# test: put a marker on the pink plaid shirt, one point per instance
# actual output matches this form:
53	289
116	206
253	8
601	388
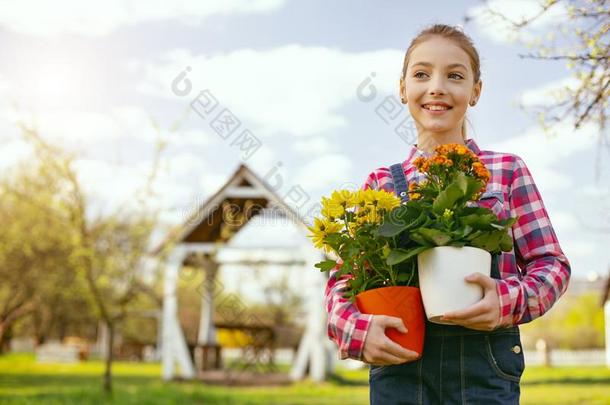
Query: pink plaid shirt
534	274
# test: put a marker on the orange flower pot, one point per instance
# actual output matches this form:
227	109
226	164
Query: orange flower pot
402	302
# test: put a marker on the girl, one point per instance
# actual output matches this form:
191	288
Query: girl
479	359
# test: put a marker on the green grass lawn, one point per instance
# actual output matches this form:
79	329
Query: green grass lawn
23	381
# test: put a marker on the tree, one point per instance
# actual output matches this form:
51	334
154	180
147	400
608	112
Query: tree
583	25
33	268
575	322
105	250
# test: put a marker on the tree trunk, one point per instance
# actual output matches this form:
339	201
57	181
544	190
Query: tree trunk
109	357
7	319
5	336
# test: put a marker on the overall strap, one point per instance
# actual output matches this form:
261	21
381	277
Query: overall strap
400	182
495	266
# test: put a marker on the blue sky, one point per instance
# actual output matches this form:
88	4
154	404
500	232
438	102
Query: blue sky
93	77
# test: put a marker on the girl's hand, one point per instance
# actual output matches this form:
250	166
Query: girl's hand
379	349
485	314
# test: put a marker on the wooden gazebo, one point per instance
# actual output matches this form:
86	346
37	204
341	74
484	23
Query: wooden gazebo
196	243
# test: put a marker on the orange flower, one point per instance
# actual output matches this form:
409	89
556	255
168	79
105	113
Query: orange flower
419	162
442	160
462	150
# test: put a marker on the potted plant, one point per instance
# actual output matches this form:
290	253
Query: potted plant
445	225
349	229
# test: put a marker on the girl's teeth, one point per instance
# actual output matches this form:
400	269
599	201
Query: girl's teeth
436	108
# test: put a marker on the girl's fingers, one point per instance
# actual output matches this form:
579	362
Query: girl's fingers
397	350
481	322
474	310
386	358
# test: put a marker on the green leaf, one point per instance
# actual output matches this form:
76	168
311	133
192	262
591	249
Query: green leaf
420	239
478	221
466	211
447	198
400	219
506	243
400	255
434	236
334	240
473	186
326	265
489	241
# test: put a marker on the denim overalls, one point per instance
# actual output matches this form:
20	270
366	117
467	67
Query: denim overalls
458	366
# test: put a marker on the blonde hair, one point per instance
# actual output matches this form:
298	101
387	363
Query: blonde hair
453	33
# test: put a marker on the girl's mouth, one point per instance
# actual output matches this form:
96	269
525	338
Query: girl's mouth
435	109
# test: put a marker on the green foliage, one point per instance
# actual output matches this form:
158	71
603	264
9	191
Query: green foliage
441	211
457	225
574	322
28	382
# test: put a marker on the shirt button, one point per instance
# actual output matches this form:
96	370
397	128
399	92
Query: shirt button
516	349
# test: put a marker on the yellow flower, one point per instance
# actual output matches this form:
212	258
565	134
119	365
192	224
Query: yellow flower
387	201
447	214
370	196
373	216
353	227
345	198
331	209
413	188
359	200
321	229
385	251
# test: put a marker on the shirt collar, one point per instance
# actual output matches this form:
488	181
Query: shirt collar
415	152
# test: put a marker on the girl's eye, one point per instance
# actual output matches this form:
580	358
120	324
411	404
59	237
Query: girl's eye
417	75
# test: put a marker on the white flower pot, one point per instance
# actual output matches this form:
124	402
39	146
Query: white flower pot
441	278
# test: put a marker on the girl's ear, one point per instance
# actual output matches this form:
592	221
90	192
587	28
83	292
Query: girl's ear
476	92
403	91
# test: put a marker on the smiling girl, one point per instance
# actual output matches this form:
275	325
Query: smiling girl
479	359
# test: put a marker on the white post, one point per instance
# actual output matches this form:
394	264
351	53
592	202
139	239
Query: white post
312	348
174	344
159	349
607	322
207	332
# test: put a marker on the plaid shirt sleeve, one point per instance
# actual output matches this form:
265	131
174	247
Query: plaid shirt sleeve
544	269
346	325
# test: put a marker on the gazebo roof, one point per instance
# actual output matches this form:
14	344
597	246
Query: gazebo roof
242	197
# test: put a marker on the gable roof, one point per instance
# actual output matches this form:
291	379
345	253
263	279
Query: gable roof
242	197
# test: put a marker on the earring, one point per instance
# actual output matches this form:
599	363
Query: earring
473	102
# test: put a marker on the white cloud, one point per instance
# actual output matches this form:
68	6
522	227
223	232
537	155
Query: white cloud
78	129
12	152
108	185
289	89
36	17
549	93
324	171
112	185
543	154
193	137
501	31
313	145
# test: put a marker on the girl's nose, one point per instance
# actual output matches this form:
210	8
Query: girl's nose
437	86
